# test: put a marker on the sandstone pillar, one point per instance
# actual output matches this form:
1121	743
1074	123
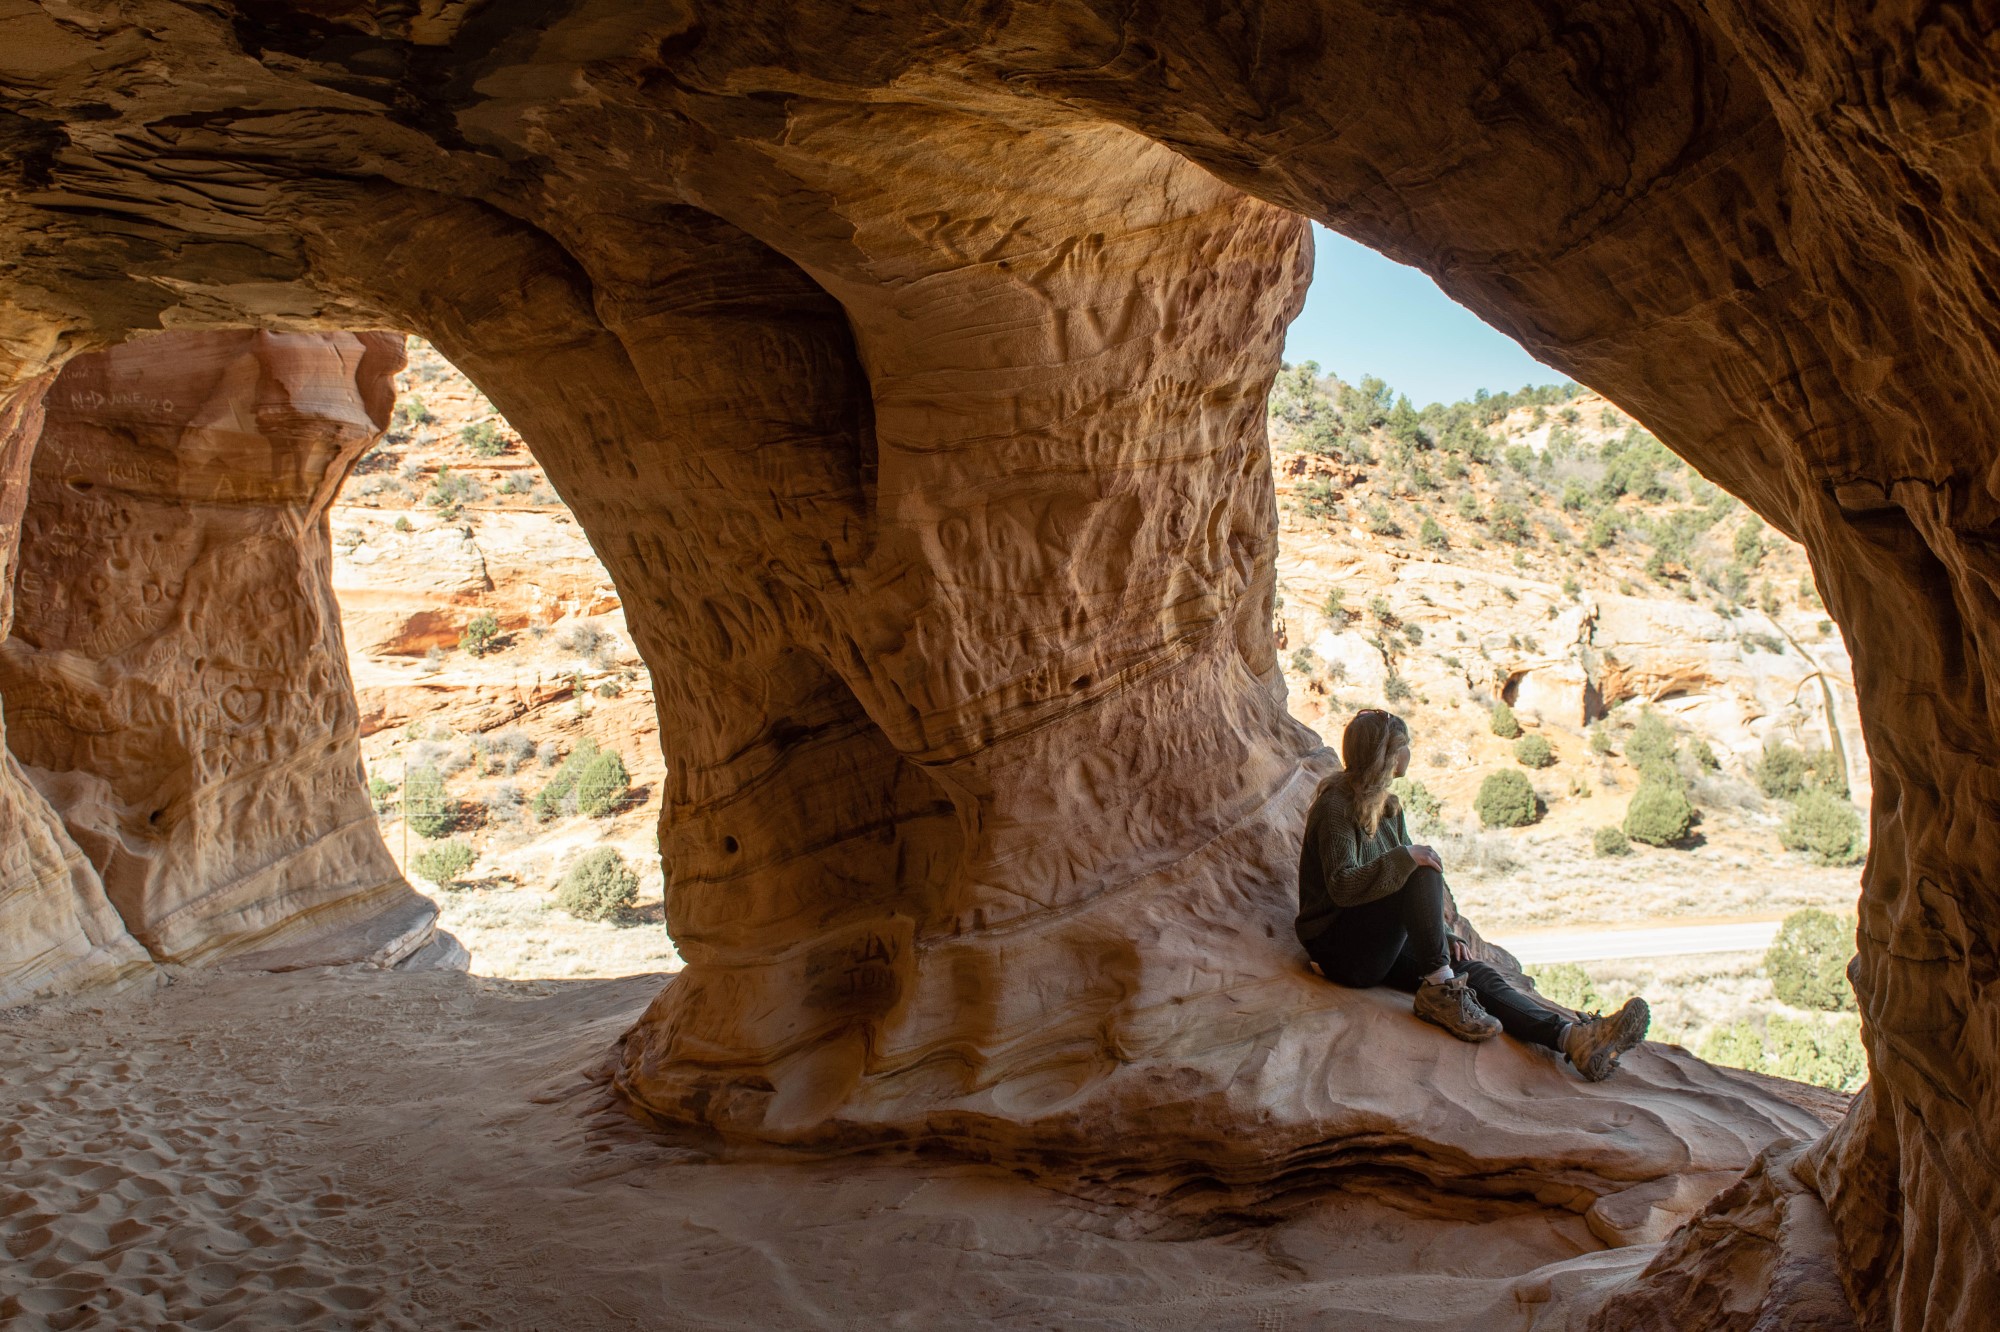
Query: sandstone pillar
176	683
1070	535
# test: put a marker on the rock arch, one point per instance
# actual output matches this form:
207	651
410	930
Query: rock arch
1763	234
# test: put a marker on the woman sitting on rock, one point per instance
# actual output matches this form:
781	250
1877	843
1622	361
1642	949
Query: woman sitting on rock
1371	912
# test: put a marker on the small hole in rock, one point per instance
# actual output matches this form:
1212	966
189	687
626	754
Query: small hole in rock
729	845
77	483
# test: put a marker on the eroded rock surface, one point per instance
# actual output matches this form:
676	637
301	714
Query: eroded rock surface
175	683
903	379
58	932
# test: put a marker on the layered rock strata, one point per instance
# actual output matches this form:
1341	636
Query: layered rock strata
1766	234
175	683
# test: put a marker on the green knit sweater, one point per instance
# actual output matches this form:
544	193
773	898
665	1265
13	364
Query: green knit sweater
1341	866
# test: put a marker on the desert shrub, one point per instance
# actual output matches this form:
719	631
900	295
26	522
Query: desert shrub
1738	1045
1659	814
1321	499
483	438
449	760
1651	743
379	791
1568	984
1382	523
444	863
1395	689
451	491
599	886
1807	962
602	784
1470	850
1505	724
1422	811
1506	800
1414	633
509	752
1532	751
1431	536
1826	1053
1600	740
504	803
556	797
1379	608
1780	770
431	812
1825	827
1303	661
588	641
1783	772
1468	506
412	412
402	523
1610	842
1509	523
1335	606
479	633
548	753
1703	755
1749	543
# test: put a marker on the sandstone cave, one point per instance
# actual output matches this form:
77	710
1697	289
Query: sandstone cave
907	372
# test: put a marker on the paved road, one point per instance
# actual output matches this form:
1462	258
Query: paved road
1602	944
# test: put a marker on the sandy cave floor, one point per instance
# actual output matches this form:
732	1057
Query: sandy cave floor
355	1149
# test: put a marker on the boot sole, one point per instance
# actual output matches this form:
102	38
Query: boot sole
1633	1021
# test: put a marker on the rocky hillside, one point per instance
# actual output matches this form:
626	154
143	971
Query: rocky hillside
487	645
1540	551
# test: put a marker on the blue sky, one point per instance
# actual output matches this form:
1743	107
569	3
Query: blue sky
1366	315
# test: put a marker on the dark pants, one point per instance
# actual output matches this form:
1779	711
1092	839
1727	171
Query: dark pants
1399	939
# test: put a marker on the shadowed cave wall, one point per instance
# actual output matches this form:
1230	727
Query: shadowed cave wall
1766	234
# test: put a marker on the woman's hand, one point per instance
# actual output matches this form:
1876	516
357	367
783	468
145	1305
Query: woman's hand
1459	952
1426	857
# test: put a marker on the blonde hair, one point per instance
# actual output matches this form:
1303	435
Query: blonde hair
1367	759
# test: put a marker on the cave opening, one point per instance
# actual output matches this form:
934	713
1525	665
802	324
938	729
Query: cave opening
1544	591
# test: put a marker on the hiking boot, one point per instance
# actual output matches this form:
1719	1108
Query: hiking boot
1451	1004
1593	1043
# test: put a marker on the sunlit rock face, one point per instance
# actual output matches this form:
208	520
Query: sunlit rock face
905	379
175	682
